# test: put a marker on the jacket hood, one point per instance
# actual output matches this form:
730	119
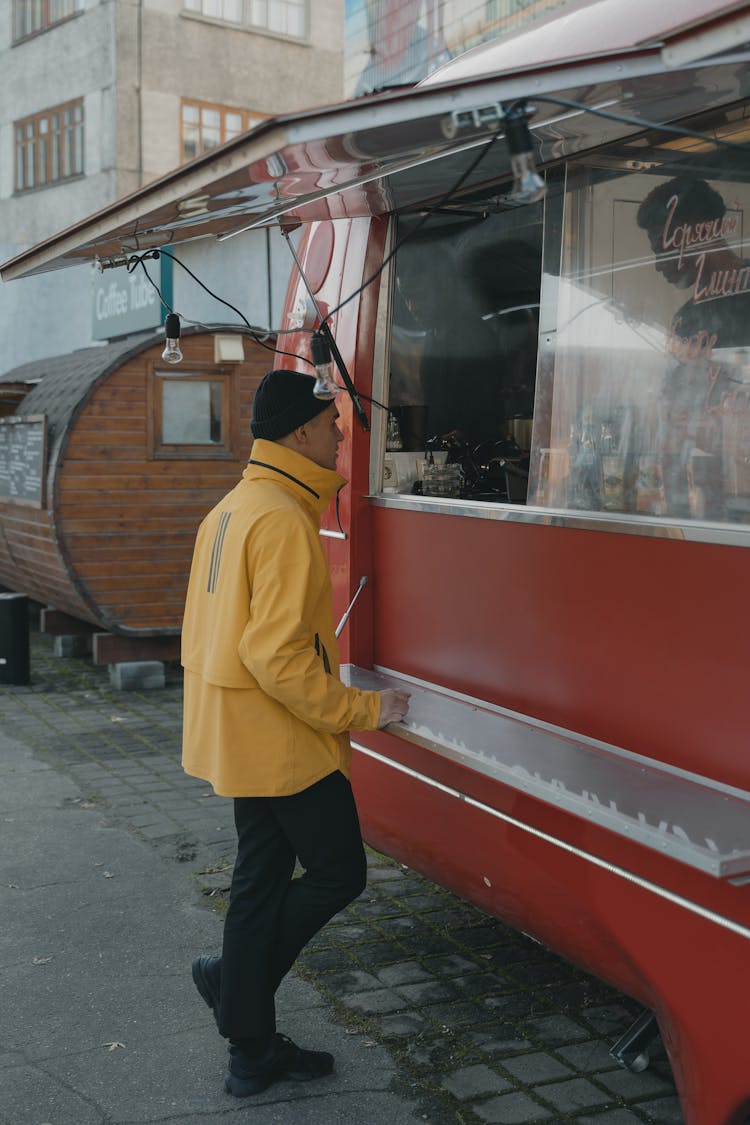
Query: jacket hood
311	482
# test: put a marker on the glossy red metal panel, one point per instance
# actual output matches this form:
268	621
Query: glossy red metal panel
686	967
638	641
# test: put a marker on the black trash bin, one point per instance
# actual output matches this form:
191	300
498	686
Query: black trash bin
14	639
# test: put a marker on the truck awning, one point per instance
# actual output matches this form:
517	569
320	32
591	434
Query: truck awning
404	149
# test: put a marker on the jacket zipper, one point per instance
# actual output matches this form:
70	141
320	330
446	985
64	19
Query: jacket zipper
320	648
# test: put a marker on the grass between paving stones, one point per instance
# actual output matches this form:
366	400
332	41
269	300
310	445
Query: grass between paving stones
405	927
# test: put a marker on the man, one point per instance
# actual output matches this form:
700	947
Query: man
266	721
693	237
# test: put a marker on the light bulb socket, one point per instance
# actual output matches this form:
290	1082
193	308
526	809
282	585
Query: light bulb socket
172	326
528	185
320	350
517	132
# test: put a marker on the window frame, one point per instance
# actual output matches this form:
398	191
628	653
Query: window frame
23	11
249	119
42	154
247	23
623	522
159	450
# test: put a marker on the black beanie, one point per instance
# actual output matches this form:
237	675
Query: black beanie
283	401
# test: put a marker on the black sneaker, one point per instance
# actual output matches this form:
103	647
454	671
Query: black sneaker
207	977
283	1060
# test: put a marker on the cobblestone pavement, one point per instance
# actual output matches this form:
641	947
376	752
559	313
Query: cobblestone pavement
484	1024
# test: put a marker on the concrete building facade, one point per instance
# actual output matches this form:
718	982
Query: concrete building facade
98	97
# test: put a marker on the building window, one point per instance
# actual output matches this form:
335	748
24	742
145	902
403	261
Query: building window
192	414
282	17
204	126
32	16
49	146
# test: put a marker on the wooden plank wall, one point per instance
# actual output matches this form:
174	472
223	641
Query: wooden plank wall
128	520
30	561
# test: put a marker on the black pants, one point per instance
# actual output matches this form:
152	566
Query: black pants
271	916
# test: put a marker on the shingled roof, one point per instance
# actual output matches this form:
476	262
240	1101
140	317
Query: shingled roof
61	384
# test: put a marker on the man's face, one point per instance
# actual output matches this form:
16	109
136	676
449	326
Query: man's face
323	437
667	262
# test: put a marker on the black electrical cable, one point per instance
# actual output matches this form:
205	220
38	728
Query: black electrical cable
410	234
136	259
567	103
624	119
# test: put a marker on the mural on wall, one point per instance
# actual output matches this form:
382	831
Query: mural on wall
398	42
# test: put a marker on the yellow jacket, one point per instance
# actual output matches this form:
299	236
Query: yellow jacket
265	712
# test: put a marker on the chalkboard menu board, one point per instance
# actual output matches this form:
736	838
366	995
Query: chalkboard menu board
23	443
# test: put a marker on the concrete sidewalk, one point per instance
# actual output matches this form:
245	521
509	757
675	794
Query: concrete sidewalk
114	868
100	1020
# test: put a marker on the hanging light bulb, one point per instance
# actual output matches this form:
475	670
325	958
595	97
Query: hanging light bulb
321	357
528	185
172	352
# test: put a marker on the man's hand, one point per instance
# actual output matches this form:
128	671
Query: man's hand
393	706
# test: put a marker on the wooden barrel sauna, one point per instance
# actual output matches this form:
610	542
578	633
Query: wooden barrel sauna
109	459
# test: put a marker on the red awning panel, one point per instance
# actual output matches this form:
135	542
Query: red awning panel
399	150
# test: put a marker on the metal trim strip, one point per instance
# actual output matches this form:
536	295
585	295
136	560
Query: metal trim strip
571	849
620	523
564	732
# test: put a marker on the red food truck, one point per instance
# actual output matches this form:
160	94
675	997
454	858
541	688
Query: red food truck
532	271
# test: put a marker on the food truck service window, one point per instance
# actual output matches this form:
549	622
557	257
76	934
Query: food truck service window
191	415
637	398
643	391
463	354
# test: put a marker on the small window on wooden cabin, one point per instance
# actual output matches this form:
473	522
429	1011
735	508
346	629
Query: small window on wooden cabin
192	415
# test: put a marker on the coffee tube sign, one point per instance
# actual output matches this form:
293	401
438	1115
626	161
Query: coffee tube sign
126	302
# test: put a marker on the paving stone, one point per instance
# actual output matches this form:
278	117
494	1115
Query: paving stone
481	984
404	1025
407	972
452	964
423	902
664	1111
591	1056
403	924
502	1039
348	933
627	1084
555	1029
535	1067
426	992
375	908
611	1117
609	1019
356	980
572	1095
430	1053
470	1081
511	1109
455	1015
388	874
513	1006
327	960
380	953
384	1000
428	943
477	937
